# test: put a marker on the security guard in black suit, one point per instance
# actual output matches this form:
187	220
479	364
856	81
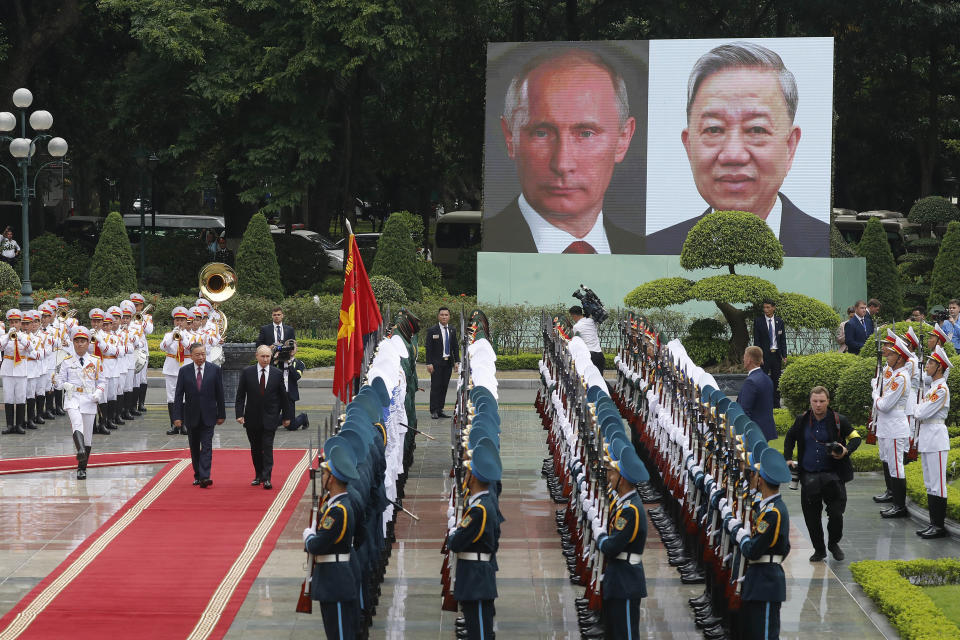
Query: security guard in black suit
765	545
475	541
331	542
624	583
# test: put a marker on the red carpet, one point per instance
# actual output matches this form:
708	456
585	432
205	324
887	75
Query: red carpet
106	459
175	562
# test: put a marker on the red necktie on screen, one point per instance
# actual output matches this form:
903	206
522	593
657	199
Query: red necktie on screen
580	247
199	378
263	381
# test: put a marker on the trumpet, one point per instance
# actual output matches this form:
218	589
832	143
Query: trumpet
177	335
63	314
138	316
12	334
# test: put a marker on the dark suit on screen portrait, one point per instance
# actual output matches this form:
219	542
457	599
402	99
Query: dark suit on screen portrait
756	400
801	235
772	360
508	231
199	409
442	367
262	414
268	334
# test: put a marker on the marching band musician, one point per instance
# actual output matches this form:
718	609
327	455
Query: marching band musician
14	373
127	360
62	327
110	351
98	338
892	398
934	441
330	540
174	345
50	361
79	377
475	540
624	583
765	545
146	329
31	327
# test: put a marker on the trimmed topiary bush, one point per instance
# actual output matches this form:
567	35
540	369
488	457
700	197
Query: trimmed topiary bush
465	280
704	343
838	246
883	278
396	257
9	280
945	279
853	398
728	238
660	293
386	289
112	271
258	273
933	210
430	277
798	310
805	372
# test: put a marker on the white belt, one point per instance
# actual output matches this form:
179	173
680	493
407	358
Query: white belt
474	556
769	559
632	558
333	557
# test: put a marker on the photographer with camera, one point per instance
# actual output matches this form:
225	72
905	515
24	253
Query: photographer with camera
824	442
285	359
586	328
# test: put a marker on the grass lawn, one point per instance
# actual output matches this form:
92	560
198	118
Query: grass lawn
947	598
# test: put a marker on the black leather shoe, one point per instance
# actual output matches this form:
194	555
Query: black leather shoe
196	483
81	474
923	530
255	482
887	496
934	532
435	416
206	482
443	415
836	551
693	578
818	556
173	431
895	512
267	484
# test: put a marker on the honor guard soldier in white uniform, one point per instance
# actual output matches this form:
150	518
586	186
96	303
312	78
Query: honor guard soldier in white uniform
78	375
61	339
146	329
98	339
31	327
110	350
934	441
174	346
15	345
892	398
45	409
131	342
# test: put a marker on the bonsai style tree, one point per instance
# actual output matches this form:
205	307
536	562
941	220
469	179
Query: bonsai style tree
112	271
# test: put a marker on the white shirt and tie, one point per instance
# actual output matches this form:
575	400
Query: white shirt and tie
552	239
772	329
445	330
278	332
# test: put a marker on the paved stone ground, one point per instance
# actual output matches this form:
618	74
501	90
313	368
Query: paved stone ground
44	516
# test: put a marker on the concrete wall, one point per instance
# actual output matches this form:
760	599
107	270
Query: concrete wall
529	278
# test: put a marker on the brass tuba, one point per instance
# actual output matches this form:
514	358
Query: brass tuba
218	283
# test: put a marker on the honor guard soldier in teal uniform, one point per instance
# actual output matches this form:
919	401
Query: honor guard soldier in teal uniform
475	540
334	578
624	583
765	546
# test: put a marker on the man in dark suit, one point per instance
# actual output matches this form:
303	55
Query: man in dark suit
566	124
800	234
443	351
276	332
857	328
768	334
740	141
198	405
756	394
261	400
292	370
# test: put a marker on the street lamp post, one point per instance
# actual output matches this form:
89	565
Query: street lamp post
23	149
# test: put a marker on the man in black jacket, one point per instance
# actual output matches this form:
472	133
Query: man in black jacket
261	403
769	335
443	351
276	332
824	442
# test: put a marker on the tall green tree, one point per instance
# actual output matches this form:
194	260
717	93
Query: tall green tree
883	279
258	273
945	280
112	271
396	257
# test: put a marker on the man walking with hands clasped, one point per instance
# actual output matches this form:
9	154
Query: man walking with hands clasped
261	400
198	405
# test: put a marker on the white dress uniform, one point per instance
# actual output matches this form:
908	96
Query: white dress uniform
934	440
146	329
34	372
80	377
14	374
175	356
893	429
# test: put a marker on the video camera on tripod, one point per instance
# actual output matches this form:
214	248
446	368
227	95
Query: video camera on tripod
592	307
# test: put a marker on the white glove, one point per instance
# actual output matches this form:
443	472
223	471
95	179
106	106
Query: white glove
450	511
307	533
725	511
450	531
98	396
69	387
743	533
597	530
733	524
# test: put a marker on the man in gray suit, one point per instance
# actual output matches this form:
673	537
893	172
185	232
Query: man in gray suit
740	140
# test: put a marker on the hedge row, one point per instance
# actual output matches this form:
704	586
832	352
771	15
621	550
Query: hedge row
910	610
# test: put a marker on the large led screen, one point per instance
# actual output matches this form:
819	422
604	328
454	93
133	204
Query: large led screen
621	147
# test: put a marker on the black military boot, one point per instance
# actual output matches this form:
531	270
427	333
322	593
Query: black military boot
886	496
29	421
59	409
48	404
899	507
142	392
98	427
123	400
106	418
82	467
38	411
114	406
938	514
81	448
8	409
132	402
20	420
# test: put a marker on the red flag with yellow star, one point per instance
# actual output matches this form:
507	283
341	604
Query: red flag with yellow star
359	315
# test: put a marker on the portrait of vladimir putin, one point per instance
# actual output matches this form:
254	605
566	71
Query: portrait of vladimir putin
740	141
566	126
